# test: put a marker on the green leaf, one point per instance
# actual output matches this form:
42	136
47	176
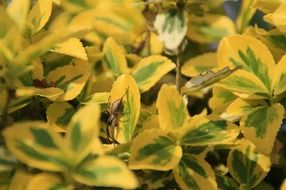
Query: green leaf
226	183
261	125
150	69
157	152
105	171
194	173
246	165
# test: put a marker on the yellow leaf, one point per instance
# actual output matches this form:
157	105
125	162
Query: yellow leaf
18	11
38	16
221	99
277	18
114	57
283	186
72	47
25	141
20	180
81	131
171	107
245	14
209	28
157	152
279	81
261	125
125	86
51	93
201	63
150	69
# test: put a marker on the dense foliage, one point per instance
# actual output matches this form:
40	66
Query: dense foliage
142	94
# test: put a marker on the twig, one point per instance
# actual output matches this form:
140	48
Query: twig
178	70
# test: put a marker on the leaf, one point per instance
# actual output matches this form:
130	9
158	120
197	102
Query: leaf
171	27
247	166
205	80
280	77
199	64
194	173
70	78
105	171
38	16
245	14
59	115
150	69
283	186
267	6
125	86
172	111
221	98
157	152
20	180
82	129
37	146
18	11
250	55
46	181
78	5
261	125
200	131
114	57
245	85
276	18
226	183
209	28
51	93
72	47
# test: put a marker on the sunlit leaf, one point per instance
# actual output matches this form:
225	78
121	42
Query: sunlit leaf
150	69
276	18
126	87
267	6
78	5
18	11
172	110
105	171
194	173
199	64
72	47
172	27
247	166
114	57
157	152
82	129
279	81
221	98
261	125
245	14
34	144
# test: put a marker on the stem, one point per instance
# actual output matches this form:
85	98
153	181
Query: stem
178	71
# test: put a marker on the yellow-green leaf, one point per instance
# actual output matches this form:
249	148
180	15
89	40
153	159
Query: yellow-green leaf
150	69
18	11
226	183
126	87
245	84
20	180
199	64
200	131
157	152
247	166
46	181
194	173
249	54
267	6
36	145
70	78
82	129
209	28
59	115
172	27
261	125
277	17
72	47
245	14
38	16
105	171
221	99
114	57
279	81
172	110
51	93
78	5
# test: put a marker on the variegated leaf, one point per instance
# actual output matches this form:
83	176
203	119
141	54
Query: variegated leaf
172	110
126	87
150	69
279	81
261	125
247	166
105	171
194	173
157	152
